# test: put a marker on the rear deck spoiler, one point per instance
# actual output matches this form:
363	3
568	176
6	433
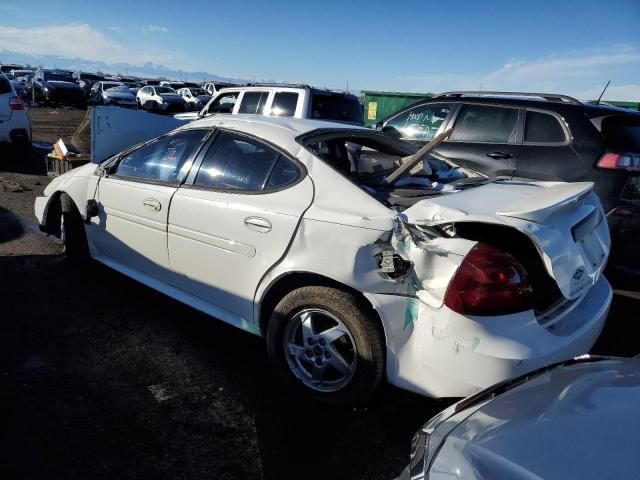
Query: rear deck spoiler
538	207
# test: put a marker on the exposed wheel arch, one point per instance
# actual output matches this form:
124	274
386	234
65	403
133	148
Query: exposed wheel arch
292	280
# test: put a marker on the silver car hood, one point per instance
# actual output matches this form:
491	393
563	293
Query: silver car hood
573	422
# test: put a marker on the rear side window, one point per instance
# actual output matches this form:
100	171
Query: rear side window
5	85
336	107
236	162
418	123
622	133
253	102
542	128
163	159
284	104
484	124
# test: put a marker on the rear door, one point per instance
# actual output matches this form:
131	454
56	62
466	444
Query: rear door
546	150
233	219
485	138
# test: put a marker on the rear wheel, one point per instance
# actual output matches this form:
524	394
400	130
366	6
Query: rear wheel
323	341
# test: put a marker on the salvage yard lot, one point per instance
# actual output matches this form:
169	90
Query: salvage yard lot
102	377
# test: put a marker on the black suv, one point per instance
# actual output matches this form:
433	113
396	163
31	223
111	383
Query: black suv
535	136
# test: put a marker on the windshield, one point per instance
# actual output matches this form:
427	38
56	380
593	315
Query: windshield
59	76
336	107
161	90
117	88
198	91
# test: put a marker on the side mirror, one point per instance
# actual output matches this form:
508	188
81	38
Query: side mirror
378	127
390	131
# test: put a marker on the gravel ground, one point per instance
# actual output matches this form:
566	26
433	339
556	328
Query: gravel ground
101	377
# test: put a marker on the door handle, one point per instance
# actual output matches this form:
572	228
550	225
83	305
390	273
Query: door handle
152	203
258	224
499	155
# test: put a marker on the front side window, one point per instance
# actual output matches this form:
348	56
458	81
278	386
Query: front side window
236	162
163	159
485	124
253	102
542	128
223	103
419	123
284	104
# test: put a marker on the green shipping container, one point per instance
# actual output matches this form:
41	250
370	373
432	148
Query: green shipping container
378	105
629	105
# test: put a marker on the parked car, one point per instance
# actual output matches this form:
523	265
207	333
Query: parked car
214	87
133	87
57	87
175	85
20	89
112	93
300	101
19	73
6	68
87	80
535	136
342	247
160	99
195	97
15	126
574	420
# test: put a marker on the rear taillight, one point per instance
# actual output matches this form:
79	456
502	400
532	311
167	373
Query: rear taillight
16	103
489	282
622	161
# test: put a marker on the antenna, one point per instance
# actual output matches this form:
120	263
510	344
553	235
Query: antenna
603	90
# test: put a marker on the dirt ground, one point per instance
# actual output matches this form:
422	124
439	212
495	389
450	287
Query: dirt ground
101	377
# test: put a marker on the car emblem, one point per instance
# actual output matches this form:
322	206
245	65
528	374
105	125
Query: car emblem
579	273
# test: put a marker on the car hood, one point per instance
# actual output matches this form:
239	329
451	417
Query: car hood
564	221
61	85
171	98
575	421
120	95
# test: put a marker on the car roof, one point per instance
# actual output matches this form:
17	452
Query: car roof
590	108
249	123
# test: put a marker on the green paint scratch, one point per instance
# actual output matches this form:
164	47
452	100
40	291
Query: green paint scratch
411	313
475	343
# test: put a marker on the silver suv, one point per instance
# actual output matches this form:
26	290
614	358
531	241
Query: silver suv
15	126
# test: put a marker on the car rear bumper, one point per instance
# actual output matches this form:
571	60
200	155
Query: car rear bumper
443	354
16	129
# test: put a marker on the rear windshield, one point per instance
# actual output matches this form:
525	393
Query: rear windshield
622	133
60	76
5	85
336	107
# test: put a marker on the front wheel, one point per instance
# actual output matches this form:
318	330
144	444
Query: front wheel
324	342
72	232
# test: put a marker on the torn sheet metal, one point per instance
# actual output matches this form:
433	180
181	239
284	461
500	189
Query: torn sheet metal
548	213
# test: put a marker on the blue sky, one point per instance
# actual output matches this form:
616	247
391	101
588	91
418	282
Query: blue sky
564	46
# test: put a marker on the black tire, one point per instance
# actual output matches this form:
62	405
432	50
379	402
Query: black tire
368	367
76	248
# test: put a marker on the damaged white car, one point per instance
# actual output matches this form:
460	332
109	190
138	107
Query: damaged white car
356	256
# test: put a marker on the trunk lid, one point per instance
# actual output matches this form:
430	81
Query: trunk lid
565	222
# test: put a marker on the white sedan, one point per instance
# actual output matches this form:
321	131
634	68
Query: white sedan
343	248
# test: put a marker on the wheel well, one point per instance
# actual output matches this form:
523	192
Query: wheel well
291	281
60	202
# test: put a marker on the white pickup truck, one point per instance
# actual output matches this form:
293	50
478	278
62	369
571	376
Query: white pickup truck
283	100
